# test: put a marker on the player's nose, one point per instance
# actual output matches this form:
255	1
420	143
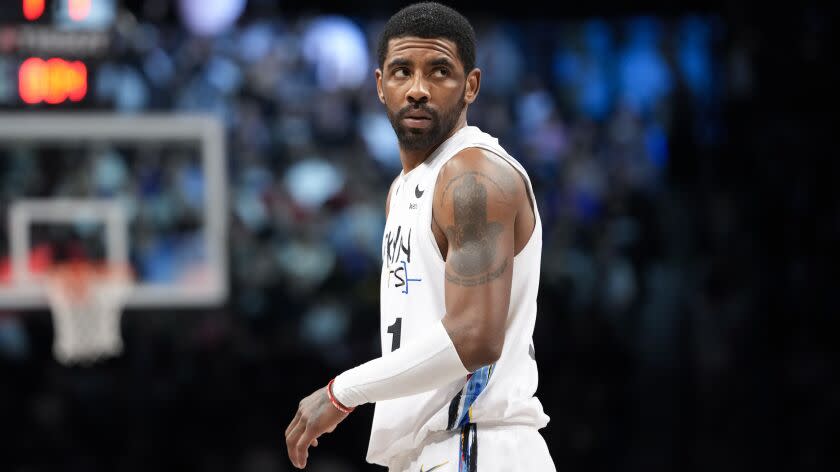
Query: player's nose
419	91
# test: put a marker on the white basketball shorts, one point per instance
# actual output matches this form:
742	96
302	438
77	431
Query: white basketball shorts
478	448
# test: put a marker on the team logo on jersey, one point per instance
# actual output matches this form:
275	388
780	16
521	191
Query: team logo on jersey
417	192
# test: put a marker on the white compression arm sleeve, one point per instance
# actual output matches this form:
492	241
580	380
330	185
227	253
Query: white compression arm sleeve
425	364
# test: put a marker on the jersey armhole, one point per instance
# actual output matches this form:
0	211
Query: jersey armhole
529	191
388	197
433	222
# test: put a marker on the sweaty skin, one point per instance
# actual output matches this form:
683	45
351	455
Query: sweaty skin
482	214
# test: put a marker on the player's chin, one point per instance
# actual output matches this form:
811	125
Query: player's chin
416	130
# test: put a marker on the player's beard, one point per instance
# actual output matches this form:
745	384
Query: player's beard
416	139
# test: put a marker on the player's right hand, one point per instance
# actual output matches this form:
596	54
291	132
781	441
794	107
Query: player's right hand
315	416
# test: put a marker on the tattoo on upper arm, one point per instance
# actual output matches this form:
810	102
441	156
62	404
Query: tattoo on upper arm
472	238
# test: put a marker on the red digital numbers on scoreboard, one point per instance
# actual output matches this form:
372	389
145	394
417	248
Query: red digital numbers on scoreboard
33	9
52	81
77	10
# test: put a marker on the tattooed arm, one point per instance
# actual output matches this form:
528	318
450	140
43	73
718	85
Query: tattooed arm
476	201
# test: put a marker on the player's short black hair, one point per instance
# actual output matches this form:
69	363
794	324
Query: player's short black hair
430	20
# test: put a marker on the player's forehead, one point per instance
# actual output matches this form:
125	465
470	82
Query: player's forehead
414	49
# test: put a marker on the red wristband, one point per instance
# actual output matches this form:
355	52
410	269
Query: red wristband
335	402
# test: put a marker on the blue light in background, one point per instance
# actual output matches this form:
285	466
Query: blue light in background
338	50
644	76
210	17
313	181
694	55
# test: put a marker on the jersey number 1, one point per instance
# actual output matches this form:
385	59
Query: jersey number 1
396	330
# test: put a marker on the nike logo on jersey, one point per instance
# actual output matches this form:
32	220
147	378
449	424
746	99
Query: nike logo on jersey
433	468
417	192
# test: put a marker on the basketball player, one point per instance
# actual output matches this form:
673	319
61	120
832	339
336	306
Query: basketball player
454	389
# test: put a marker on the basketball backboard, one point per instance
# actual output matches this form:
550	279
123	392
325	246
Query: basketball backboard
156	185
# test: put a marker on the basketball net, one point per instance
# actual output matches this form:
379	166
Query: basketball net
86	302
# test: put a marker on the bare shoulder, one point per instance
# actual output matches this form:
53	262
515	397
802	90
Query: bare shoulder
475	168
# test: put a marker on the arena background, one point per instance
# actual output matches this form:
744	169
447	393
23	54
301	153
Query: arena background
677	156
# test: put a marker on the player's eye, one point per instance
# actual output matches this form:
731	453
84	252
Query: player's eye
401	73
441	72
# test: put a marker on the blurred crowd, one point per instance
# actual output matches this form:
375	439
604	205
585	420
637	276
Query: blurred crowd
648	291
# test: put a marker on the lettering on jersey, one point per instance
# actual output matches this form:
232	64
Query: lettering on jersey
397	255
396	246
412	206
400	277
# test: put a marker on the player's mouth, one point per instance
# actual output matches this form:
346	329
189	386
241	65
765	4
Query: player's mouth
417	119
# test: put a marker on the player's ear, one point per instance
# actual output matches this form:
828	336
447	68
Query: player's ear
378	75
473	84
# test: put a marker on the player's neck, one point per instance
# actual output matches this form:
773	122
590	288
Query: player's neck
414	157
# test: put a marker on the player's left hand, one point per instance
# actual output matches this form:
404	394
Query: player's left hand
315	416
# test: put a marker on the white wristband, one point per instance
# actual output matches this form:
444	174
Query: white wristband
427	363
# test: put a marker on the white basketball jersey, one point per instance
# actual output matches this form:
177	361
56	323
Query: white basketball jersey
412	300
